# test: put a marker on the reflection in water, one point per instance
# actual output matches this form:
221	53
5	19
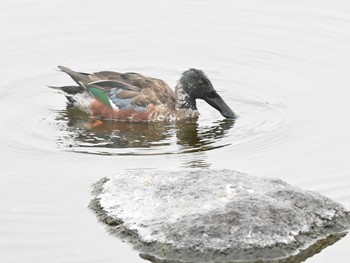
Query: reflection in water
194	138
84	134
87	132
300	257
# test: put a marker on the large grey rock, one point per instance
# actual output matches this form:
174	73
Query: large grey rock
217	215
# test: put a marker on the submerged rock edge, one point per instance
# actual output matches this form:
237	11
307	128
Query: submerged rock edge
333	229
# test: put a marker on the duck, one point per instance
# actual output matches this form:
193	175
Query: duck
134	97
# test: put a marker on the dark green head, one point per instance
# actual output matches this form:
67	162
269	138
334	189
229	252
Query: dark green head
194	84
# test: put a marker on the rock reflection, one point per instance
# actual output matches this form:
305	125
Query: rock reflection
84	134
300	257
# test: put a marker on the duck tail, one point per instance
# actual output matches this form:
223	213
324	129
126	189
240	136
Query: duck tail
78	77
71	90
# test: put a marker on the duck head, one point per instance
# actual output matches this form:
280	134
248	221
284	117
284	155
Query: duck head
194	84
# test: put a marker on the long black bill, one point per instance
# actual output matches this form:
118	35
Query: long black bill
218	103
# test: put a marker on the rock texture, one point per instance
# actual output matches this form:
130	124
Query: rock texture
216	215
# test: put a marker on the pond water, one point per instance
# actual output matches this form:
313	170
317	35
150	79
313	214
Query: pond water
283	66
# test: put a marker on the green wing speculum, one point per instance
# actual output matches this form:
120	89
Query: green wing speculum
100	95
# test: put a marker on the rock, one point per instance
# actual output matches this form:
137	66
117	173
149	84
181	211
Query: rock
203	215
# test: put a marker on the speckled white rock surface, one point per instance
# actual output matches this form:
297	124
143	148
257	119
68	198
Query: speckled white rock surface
197	214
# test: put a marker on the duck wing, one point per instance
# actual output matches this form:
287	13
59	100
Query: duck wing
124	90
121	95
155	89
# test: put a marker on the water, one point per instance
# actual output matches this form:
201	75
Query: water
281	65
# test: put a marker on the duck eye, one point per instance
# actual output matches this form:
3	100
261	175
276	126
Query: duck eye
200	81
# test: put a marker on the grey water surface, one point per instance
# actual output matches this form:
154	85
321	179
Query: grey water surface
283	66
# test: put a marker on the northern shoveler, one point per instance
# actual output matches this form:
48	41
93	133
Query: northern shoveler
135	97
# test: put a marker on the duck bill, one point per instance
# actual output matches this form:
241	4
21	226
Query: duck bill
218	103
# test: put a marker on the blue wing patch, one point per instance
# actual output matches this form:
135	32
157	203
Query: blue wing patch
120	103
123	103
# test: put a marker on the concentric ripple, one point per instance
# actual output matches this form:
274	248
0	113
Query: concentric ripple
44	117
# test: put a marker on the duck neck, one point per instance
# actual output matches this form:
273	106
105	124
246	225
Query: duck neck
183	100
